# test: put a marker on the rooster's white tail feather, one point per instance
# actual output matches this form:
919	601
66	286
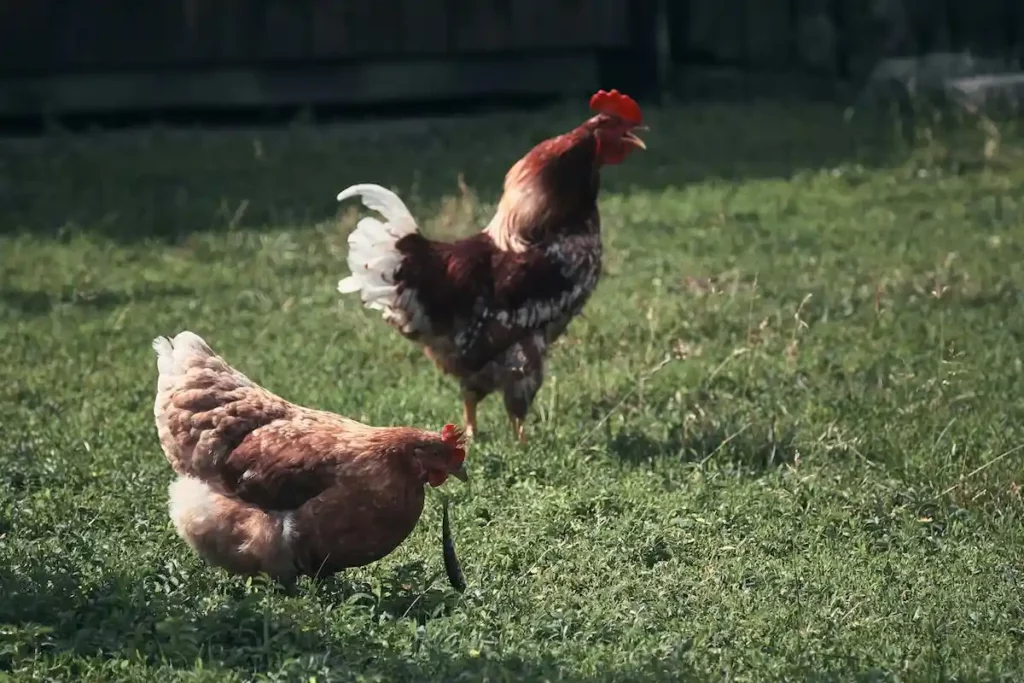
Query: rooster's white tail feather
372	256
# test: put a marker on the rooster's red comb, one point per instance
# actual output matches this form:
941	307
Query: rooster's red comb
614	103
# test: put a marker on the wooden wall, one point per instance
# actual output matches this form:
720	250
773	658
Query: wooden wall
111	55
59	36
842	38
61	56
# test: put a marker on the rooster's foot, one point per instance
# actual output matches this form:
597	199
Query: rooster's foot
519	429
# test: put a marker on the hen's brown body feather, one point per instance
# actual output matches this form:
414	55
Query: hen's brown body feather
269	486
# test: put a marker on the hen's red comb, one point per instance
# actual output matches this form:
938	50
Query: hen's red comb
614	103
450	434
453	436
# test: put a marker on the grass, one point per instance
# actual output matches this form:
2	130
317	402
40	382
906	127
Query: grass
782	443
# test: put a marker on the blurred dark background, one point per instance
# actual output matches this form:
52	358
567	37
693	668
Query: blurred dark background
123	60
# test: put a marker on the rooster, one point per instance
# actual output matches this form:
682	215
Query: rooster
267	486
488	307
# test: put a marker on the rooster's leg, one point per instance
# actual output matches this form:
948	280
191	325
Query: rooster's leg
519	389
517	408
469	401
518	428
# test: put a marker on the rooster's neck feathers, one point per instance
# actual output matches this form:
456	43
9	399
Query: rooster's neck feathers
553	187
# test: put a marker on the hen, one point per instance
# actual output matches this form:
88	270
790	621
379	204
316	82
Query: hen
488	307
267	486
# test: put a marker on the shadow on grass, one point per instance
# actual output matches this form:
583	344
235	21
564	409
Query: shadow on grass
45	612
38	302
169	184
400	595
753	446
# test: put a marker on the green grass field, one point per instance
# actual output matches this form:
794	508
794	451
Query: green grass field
782	442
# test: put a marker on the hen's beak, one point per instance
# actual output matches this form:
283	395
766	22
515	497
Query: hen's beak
633	139
460	473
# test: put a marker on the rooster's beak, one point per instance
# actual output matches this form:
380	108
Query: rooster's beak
634	140
461	474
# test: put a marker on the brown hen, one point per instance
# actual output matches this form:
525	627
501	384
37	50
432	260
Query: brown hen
268	486
488	307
